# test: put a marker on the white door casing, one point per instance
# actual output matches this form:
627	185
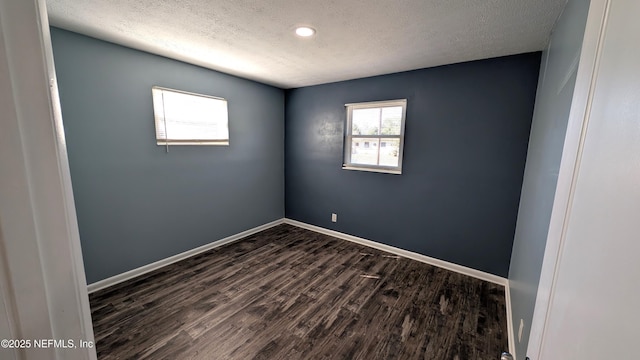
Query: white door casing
569	166
41	272
587	300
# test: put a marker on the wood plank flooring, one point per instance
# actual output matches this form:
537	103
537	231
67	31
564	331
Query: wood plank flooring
289	293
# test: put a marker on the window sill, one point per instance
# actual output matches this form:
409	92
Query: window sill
215	143
378	170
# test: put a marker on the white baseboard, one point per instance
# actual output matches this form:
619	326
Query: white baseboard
510	332
428	260
99	285
405	253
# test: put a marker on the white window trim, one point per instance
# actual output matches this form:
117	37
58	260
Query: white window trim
347	165
167	142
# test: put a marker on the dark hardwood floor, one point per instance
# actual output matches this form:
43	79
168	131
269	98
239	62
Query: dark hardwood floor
289	293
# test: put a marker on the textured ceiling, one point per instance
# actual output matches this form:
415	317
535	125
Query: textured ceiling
355	38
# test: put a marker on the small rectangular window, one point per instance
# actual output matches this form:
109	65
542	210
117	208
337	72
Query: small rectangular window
184	118
373	123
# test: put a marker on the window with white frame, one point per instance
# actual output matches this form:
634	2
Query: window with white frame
374	136
184	118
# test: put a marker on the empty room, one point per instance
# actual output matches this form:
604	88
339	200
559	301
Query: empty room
318	180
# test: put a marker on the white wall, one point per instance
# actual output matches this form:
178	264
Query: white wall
594	294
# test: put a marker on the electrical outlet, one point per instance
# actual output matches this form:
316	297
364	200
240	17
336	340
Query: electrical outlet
334	217
520	330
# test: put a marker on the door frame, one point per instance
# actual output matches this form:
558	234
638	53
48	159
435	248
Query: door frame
42	280
569	167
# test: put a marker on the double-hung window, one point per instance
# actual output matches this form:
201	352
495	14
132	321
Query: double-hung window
184	118
374	136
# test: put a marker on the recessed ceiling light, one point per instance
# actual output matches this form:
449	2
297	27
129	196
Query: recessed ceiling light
305	31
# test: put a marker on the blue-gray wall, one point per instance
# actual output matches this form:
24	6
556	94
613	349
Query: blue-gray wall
467	129
137	204
551	115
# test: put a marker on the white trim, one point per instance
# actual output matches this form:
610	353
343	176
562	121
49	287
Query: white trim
102	284
404	253
349	136
371	169
569	167
375	104
165	99
495	279
193	142
427	260
188	93
43	286
510	331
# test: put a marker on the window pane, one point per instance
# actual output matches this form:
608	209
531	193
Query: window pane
374	136
391	120
364	154
194	117
389	152
189	117
365	121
